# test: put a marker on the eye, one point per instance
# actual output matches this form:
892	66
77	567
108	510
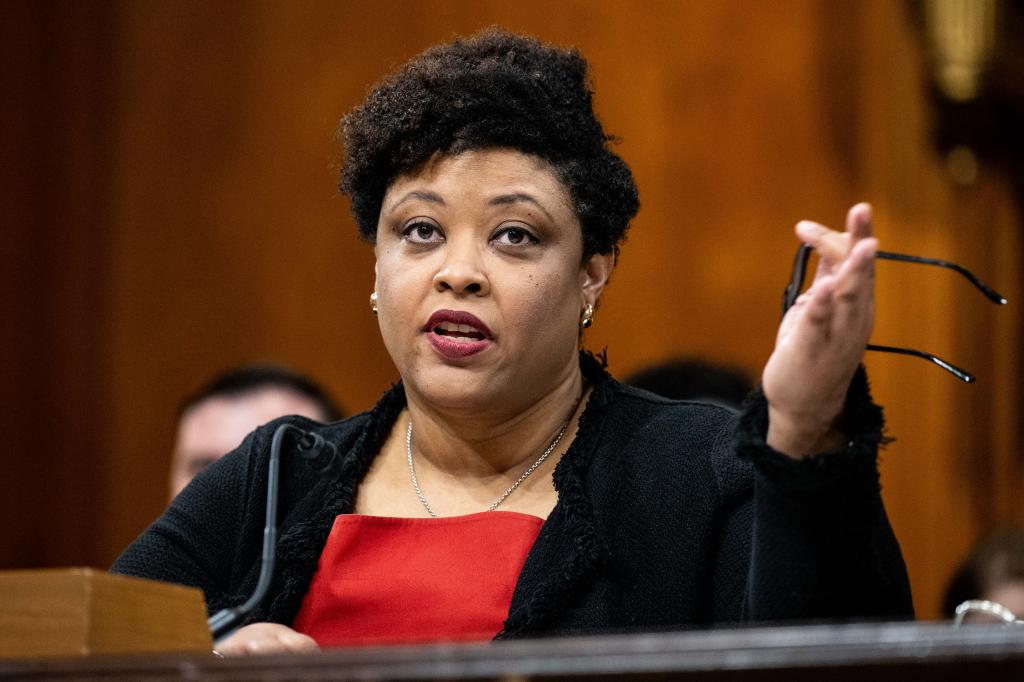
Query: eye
514	236
421	232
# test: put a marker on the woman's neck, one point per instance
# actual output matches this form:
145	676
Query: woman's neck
493	443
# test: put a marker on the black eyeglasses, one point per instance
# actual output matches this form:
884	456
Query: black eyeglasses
796	283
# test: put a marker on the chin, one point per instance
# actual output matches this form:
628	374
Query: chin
483	380
454	388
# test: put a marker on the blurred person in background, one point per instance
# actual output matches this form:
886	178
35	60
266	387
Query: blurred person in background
216	418
691	378
993	571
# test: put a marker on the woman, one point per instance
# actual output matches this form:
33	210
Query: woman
484	181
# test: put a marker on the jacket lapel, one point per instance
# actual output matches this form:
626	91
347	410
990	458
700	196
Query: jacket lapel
569	550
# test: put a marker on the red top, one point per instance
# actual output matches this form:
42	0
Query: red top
384	580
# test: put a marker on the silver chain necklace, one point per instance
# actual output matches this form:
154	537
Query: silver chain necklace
508	491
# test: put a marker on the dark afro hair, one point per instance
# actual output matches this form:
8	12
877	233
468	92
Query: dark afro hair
494	89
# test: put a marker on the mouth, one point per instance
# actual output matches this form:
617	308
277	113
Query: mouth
457	334
458	325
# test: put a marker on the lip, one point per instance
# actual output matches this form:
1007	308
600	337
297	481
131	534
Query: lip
457	349
458	317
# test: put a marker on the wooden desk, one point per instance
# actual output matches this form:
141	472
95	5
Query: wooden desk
877	652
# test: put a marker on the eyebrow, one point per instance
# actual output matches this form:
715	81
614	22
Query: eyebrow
500	200
518	197
418	194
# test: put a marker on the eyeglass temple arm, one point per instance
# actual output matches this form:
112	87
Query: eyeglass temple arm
959	373
803	254
989	292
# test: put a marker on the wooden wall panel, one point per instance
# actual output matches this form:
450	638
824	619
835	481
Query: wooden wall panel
198	227
954	471
54	77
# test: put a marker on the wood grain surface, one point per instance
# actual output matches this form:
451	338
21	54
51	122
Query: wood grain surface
82	611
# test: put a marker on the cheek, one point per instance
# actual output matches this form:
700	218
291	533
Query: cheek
542	303
399	288
396	280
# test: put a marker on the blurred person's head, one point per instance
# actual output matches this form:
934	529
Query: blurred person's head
215	419
693	379
993	571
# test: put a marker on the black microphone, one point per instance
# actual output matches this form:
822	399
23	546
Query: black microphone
324	459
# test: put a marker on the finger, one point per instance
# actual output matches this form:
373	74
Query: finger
271	645
857	272
858	221
808	327
231	649
253	647
264	638
232	645
279	642
818	294
819	308
854	284
298	642
832	246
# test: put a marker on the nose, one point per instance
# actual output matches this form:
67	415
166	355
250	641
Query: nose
462	271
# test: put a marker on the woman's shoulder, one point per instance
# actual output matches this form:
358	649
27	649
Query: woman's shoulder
630	418
647	446
638	419
660	406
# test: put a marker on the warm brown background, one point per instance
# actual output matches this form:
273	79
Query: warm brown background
169	210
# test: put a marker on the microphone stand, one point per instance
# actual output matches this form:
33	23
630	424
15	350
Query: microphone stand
311	446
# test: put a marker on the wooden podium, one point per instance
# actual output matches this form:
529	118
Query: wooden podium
76	611
49	618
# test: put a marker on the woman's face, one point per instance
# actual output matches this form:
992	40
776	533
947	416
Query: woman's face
479	280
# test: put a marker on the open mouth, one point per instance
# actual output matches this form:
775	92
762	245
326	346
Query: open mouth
458	332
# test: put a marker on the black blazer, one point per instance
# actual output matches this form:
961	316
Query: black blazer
670	514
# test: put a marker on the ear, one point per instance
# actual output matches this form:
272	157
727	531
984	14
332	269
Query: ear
594	276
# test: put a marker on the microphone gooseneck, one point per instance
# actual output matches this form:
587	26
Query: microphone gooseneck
324	460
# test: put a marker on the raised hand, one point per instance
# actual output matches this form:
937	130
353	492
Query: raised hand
822	339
